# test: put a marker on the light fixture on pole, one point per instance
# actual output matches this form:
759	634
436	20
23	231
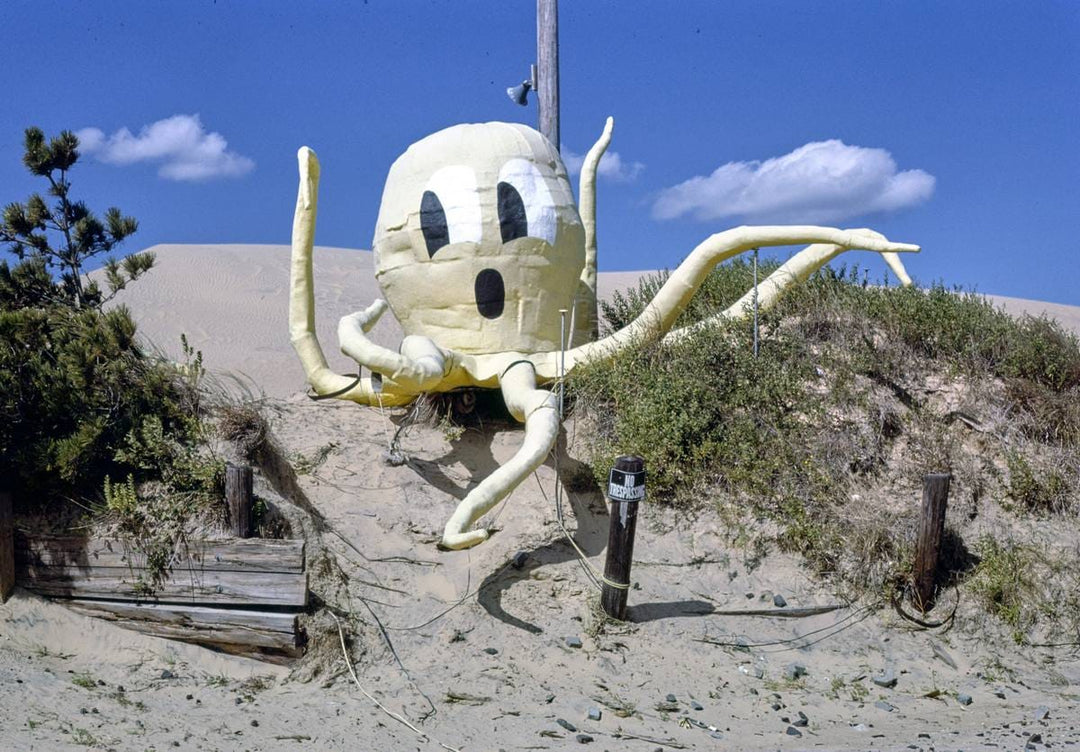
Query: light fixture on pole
520	94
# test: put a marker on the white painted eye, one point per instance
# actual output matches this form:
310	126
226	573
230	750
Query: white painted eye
450	208
526	207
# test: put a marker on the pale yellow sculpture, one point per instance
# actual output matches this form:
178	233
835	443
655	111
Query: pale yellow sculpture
478	248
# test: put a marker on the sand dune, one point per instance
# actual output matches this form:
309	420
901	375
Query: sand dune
231	301
499	670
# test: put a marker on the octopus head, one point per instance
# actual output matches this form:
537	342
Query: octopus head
479	243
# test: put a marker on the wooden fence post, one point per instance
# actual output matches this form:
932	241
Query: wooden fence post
238	496
7	547
626	488
931	529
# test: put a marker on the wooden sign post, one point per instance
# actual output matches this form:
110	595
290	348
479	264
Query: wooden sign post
7	547
238	495
626	488
931	530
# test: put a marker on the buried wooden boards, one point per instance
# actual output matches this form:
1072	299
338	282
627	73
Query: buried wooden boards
241	596
194	586
271	636
246	555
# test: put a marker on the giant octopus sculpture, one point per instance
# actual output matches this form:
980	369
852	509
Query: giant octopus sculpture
478	248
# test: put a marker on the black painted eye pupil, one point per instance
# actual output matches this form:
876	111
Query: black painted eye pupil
433	223
512	220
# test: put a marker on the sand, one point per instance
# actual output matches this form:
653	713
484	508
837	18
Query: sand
489	647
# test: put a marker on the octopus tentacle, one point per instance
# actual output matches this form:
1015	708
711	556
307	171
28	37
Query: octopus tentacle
659	315
796	269
419	366
897	266
586	317
538	409
324	381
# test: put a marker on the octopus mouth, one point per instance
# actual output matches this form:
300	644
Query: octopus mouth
490	294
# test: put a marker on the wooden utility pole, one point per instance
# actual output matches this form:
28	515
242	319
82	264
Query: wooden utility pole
547	69
931	530
626	489
240	500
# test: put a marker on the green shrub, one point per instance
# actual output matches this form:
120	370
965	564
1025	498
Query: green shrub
790	435
74	384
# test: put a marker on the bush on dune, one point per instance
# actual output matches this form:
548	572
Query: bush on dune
80	399
858	390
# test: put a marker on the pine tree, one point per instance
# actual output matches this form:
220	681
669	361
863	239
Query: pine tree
62	237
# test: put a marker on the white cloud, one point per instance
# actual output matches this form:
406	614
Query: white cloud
611	166
823	181
180	144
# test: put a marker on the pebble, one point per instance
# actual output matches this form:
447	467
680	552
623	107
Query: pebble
886	678
254	723
999	693
778	601
792	731
566	725
1033	740
573	642
584	739
491	651
696	705
190	697
758	672
884	706
167	674
776	706
83	711
594	714
939	652
802	720
519	559
793	671
1042	713
671	698
749	595
963	699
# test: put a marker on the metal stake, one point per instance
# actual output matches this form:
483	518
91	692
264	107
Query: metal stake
755	304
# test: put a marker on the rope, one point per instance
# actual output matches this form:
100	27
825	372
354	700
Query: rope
586	565
920	622
598	579
338	393
397	717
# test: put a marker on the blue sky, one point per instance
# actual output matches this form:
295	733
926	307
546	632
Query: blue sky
950	124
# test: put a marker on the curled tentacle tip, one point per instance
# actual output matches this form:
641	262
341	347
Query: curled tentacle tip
459	541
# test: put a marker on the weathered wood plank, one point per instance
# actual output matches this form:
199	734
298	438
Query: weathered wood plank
260	629
239	500
7	547
183	586
931	531
232	555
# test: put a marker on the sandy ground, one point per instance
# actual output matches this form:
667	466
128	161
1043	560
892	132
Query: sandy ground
486	654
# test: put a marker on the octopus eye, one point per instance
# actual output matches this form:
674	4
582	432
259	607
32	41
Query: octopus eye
512	220
525	202
450	209
433	223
